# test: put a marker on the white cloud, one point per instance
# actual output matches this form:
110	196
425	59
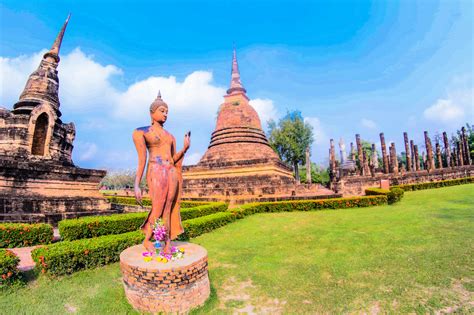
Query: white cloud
266	110
195	95
86	150
367	123
191	159
84	83
14	73
319	135
456	109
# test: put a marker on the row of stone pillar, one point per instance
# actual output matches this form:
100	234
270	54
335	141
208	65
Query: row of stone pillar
458	155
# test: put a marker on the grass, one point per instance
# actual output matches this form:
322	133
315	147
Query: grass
415	256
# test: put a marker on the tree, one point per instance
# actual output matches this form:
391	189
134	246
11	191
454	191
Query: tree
290	138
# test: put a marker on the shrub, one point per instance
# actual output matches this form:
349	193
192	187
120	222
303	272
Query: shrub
376	192
438	184
20	234
198	226
87	227
130	201
308	205
199	211
393	195
69	256
9	272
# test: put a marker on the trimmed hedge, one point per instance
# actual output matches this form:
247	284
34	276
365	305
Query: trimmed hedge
9	272
200	211
198	226
21	234
438	184
309	205
87	227
394	195
67	257
130	201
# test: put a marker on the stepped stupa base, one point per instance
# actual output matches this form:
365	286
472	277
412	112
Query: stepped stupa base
172	287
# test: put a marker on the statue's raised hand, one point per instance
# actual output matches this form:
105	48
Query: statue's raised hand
187	140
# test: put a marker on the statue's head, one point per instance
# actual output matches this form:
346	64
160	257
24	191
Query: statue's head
158	110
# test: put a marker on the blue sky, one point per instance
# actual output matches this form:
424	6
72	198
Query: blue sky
348	66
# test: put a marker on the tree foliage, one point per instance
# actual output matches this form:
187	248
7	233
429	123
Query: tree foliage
290	138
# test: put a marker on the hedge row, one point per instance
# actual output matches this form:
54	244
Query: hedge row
438	184
69	256
130	201
309	205
21	234
9	272
394	195
87	227
198	226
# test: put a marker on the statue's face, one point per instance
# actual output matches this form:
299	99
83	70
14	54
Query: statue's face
160	114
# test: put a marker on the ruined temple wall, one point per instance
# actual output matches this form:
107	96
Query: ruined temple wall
356	185
16	136
41	192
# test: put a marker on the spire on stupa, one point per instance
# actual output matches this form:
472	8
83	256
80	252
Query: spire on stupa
54	51
235	83
43	84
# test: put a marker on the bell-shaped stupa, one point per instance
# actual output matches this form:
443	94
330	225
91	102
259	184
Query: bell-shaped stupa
239	165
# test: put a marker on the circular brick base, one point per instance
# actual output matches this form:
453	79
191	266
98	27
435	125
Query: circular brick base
172	287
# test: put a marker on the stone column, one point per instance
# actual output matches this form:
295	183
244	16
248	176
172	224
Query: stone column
429	153
366	163
423	159
375	158
455	157
412	149
460	153
308	167
438	155
417	157
353	152
447	151
393	159
465	142
361	156
407	152
384	154
332	157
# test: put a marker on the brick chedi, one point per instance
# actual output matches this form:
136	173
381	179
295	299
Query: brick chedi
239	162
38	179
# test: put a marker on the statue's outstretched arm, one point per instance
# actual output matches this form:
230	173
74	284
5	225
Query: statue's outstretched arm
140	145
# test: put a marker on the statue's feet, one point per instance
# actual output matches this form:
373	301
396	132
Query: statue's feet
167	248
149	246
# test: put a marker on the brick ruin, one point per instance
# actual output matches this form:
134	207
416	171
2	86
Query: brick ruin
436	163
38	179
240	164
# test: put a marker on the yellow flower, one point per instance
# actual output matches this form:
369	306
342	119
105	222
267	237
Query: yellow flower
181	250
165	260
147	259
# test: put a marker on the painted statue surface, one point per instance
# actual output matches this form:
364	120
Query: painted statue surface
163	174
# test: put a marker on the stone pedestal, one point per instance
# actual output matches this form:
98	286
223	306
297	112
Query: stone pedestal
172	287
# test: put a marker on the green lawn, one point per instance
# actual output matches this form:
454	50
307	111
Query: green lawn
415	256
